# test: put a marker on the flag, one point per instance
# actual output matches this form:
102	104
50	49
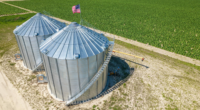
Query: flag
76	9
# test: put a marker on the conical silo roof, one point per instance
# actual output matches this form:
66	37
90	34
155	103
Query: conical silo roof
74	41
39	25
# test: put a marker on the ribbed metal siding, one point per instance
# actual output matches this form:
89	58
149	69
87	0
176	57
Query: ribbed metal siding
21	50
36	51
49	74
56	78
30	52
25	53
105	77
83	72
64	77
92	66
68	77
74	77
29	48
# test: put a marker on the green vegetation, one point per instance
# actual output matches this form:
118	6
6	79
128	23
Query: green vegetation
6	9
7	25
94	106
157	55
31	78
12	64
124	85
172	25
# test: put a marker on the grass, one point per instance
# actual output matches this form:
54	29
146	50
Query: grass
7	25
172	25
94	106
12	64
158	56
6	9
31	78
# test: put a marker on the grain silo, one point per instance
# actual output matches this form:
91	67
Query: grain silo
73	58
31	33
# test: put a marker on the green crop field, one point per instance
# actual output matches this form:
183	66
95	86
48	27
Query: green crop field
7	25
173	25
6	9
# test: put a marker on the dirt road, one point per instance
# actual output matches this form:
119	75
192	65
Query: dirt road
10	99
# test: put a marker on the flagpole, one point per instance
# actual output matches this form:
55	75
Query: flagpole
80	14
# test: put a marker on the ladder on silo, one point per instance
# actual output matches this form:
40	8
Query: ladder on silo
95	78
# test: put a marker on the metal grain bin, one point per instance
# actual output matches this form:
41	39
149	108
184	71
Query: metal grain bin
30	34
71	58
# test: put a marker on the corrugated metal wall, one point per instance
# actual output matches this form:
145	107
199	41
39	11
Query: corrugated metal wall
68	77
29	48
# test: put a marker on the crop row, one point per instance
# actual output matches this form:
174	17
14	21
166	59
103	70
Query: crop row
172	25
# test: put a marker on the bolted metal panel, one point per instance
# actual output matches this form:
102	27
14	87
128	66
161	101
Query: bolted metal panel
64	77
83	70
25	53
35	49
100	87
104	77
74	77
49	74
93	90
30	52
92	66
99	60
85	96
21	50
56	77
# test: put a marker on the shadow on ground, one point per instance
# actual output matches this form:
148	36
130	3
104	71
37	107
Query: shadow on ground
118	73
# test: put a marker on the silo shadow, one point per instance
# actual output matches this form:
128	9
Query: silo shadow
118	73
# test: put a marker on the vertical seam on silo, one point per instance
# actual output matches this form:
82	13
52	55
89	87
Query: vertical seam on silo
103	72
96	72
88	78
32	52
46	71
19	44
26	52
59	79
77	61
30	44
78	76
52	76
40	54
68	78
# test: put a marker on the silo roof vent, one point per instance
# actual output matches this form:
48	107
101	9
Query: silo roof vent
76	55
